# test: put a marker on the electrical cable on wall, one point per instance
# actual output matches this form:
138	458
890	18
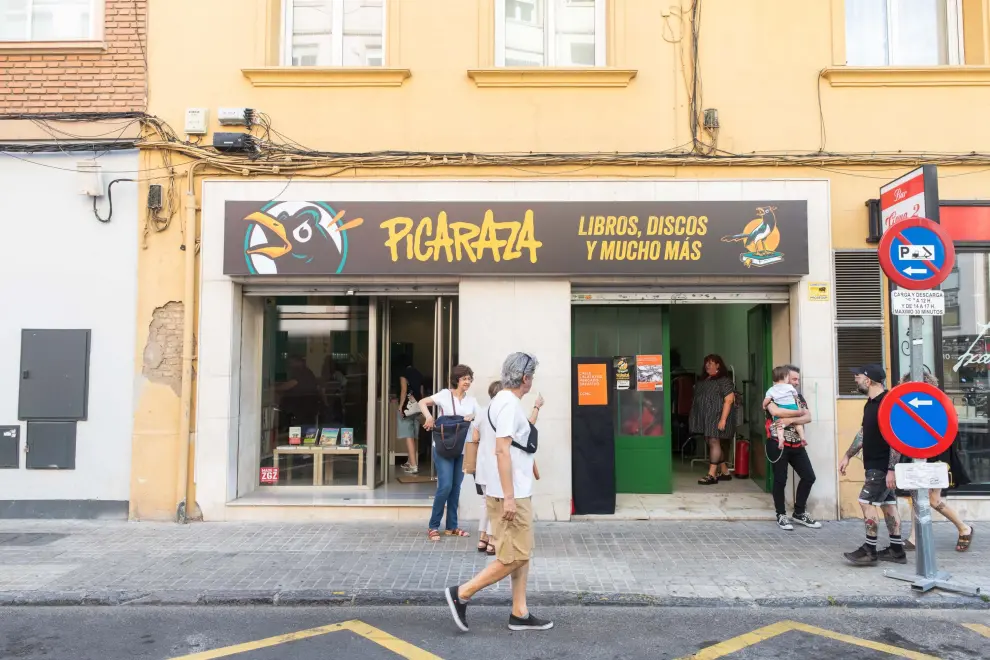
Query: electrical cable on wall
96	212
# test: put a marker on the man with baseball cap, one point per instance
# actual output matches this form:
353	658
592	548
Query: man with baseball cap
879	460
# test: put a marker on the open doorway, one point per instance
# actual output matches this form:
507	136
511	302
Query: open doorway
740	335
418	339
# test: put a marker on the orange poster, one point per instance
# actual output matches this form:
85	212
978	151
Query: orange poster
592	385
649	373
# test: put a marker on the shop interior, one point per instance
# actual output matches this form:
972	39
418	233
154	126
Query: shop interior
655	451
735	332
330	389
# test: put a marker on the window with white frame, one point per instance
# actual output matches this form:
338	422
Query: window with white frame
550	33
903	32
48	20
334	32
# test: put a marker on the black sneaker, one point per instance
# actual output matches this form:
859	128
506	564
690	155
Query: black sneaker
807	521
784	523
529	623
862	556
893	555
458	609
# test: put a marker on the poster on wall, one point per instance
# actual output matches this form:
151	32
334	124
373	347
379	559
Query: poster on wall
649	373
592	385
620	366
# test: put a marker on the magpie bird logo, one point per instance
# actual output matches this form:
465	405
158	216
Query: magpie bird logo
296	238
761	237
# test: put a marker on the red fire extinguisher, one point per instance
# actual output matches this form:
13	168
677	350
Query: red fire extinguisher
742	458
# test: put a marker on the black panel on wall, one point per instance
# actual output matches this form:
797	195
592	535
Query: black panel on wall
51	445
10	447
54	375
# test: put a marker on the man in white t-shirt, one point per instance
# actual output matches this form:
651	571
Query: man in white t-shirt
508	498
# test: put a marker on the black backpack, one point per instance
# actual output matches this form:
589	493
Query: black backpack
450	433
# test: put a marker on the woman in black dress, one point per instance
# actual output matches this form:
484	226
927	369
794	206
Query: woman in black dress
710	411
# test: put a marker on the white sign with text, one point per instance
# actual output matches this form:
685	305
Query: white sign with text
914	476
917	303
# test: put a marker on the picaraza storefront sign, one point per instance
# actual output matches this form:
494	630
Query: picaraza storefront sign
518	238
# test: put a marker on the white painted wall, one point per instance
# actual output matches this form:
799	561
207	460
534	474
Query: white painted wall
499	317
64	269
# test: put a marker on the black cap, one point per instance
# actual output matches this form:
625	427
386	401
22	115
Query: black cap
872	371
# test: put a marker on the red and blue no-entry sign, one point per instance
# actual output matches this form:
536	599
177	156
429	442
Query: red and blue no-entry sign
918	420
917	253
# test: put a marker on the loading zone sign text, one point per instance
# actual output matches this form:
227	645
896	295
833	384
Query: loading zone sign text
917	303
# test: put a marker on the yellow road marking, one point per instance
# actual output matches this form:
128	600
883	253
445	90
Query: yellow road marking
978	628
380	637
767	632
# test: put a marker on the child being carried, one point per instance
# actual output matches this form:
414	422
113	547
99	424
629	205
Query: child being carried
783	395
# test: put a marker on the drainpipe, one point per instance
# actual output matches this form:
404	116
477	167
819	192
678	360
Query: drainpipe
184	485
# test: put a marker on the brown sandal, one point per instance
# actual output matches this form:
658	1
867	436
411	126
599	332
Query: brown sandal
962	545
491	550
483	545
456	532
434	535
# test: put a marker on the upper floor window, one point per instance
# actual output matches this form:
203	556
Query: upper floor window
48	20
903	32
334	32
550	33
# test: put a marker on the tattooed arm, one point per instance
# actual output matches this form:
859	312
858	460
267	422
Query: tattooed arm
854	448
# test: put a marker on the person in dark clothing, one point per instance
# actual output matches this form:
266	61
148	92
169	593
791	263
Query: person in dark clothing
793	454
879	459
410	392
299	396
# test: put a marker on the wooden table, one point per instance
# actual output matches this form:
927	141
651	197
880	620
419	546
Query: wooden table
335	450
319	452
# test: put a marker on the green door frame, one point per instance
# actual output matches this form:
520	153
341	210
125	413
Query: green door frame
643	464
757	450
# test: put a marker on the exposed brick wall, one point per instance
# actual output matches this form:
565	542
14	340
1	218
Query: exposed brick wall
111	81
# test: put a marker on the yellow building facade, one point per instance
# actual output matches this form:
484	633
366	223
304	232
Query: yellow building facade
427	103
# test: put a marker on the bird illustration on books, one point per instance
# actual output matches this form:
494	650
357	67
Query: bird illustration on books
760	236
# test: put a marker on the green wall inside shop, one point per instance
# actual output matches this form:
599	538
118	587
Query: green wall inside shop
642	459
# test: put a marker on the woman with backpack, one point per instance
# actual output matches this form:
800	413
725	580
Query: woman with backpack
455	420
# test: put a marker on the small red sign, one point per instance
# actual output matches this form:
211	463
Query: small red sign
269	475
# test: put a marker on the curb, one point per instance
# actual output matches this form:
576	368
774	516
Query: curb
343	598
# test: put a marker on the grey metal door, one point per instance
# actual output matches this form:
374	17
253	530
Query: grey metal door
54	374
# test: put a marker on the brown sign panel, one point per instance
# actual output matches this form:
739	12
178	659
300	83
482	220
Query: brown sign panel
516	238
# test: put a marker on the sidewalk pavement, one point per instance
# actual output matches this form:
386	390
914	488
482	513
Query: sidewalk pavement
632	563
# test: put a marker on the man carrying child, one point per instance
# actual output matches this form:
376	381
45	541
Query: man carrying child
787	413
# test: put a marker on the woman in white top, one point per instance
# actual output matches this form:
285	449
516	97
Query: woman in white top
452	401
487	468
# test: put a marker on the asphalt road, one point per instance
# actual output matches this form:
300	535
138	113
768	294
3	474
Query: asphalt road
425	633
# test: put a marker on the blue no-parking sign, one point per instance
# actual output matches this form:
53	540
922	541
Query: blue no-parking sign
917	254
918	420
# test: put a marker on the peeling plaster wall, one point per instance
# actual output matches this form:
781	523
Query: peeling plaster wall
163	352
65	269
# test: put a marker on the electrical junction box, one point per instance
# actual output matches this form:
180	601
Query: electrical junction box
234	116
233	142
90	177
197	121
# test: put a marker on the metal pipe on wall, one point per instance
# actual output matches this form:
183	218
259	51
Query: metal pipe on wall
184	483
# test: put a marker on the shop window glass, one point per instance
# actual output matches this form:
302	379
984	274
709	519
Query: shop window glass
315	391
966	360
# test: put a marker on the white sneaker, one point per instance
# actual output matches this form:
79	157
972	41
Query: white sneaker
784	523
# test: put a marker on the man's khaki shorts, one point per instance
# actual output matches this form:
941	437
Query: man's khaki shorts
513	538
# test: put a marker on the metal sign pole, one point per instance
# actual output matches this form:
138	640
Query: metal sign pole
927	575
